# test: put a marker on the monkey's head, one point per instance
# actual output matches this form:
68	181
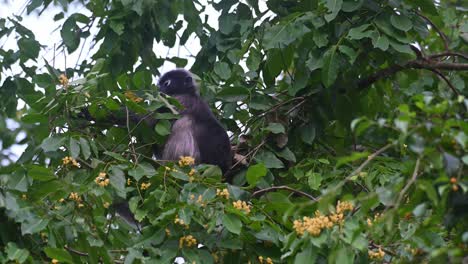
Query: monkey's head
177	82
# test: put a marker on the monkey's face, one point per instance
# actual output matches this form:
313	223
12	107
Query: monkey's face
177	82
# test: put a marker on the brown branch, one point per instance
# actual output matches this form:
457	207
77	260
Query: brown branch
373	245
410	182
441	34
413	64
74	251
274	188
449	54
431	64
449	83
369	159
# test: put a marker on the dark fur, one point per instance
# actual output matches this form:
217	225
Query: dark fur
197	132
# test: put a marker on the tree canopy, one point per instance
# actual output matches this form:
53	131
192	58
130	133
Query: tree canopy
347	118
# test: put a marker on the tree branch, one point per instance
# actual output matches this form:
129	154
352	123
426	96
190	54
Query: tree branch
410	182
441	34
74	251
422	63
448	54
287	188
441	75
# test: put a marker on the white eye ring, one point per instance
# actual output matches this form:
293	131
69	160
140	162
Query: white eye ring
167	83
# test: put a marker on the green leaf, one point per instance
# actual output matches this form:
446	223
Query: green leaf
344	256
333	6
232	223
314	62
115	155
349	52
314	180
59	254
117	27
255	172
320	39
269	160
275	128
222	70
29	47
52	143
163	127
307	255
117	180
233	94
401	22
74	148
85	149
14	253
330	67
281	35
380	41
70	35
351	5
359	32
40	173
33	226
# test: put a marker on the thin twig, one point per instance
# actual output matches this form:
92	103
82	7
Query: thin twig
441	75
369	159
373	245
413	64
287	188
448	54
248	154
410	182
441	34
74	251
132	146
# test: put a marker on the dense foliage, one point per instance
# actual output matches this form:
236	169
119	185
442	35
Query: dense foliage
348	119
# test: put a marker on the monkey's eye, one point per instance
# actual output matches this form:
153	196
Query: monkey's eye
167	83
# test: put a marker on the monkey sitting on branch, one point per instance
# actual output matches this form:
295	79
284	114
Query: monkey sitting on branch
197	133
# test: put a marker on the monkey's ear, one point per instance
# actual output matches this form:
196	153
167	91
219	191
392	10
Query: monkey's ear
188	81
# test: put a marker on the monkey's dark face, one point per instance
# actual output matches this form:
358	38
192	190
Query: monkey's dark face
177	82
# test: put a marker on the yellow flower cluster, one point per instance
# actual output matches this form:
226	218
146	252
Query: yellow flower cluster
186	161
192	172
75	197
129	181
266	261
376	254
106	205
168	232
133	97
63	80
222	193
241	205
145	186
341	207
315	225
67	160
181	222
188	241
102	180
370	222
199	199
54	261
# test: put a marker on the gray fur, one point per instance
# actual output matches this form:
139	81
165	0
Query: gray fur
181	142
